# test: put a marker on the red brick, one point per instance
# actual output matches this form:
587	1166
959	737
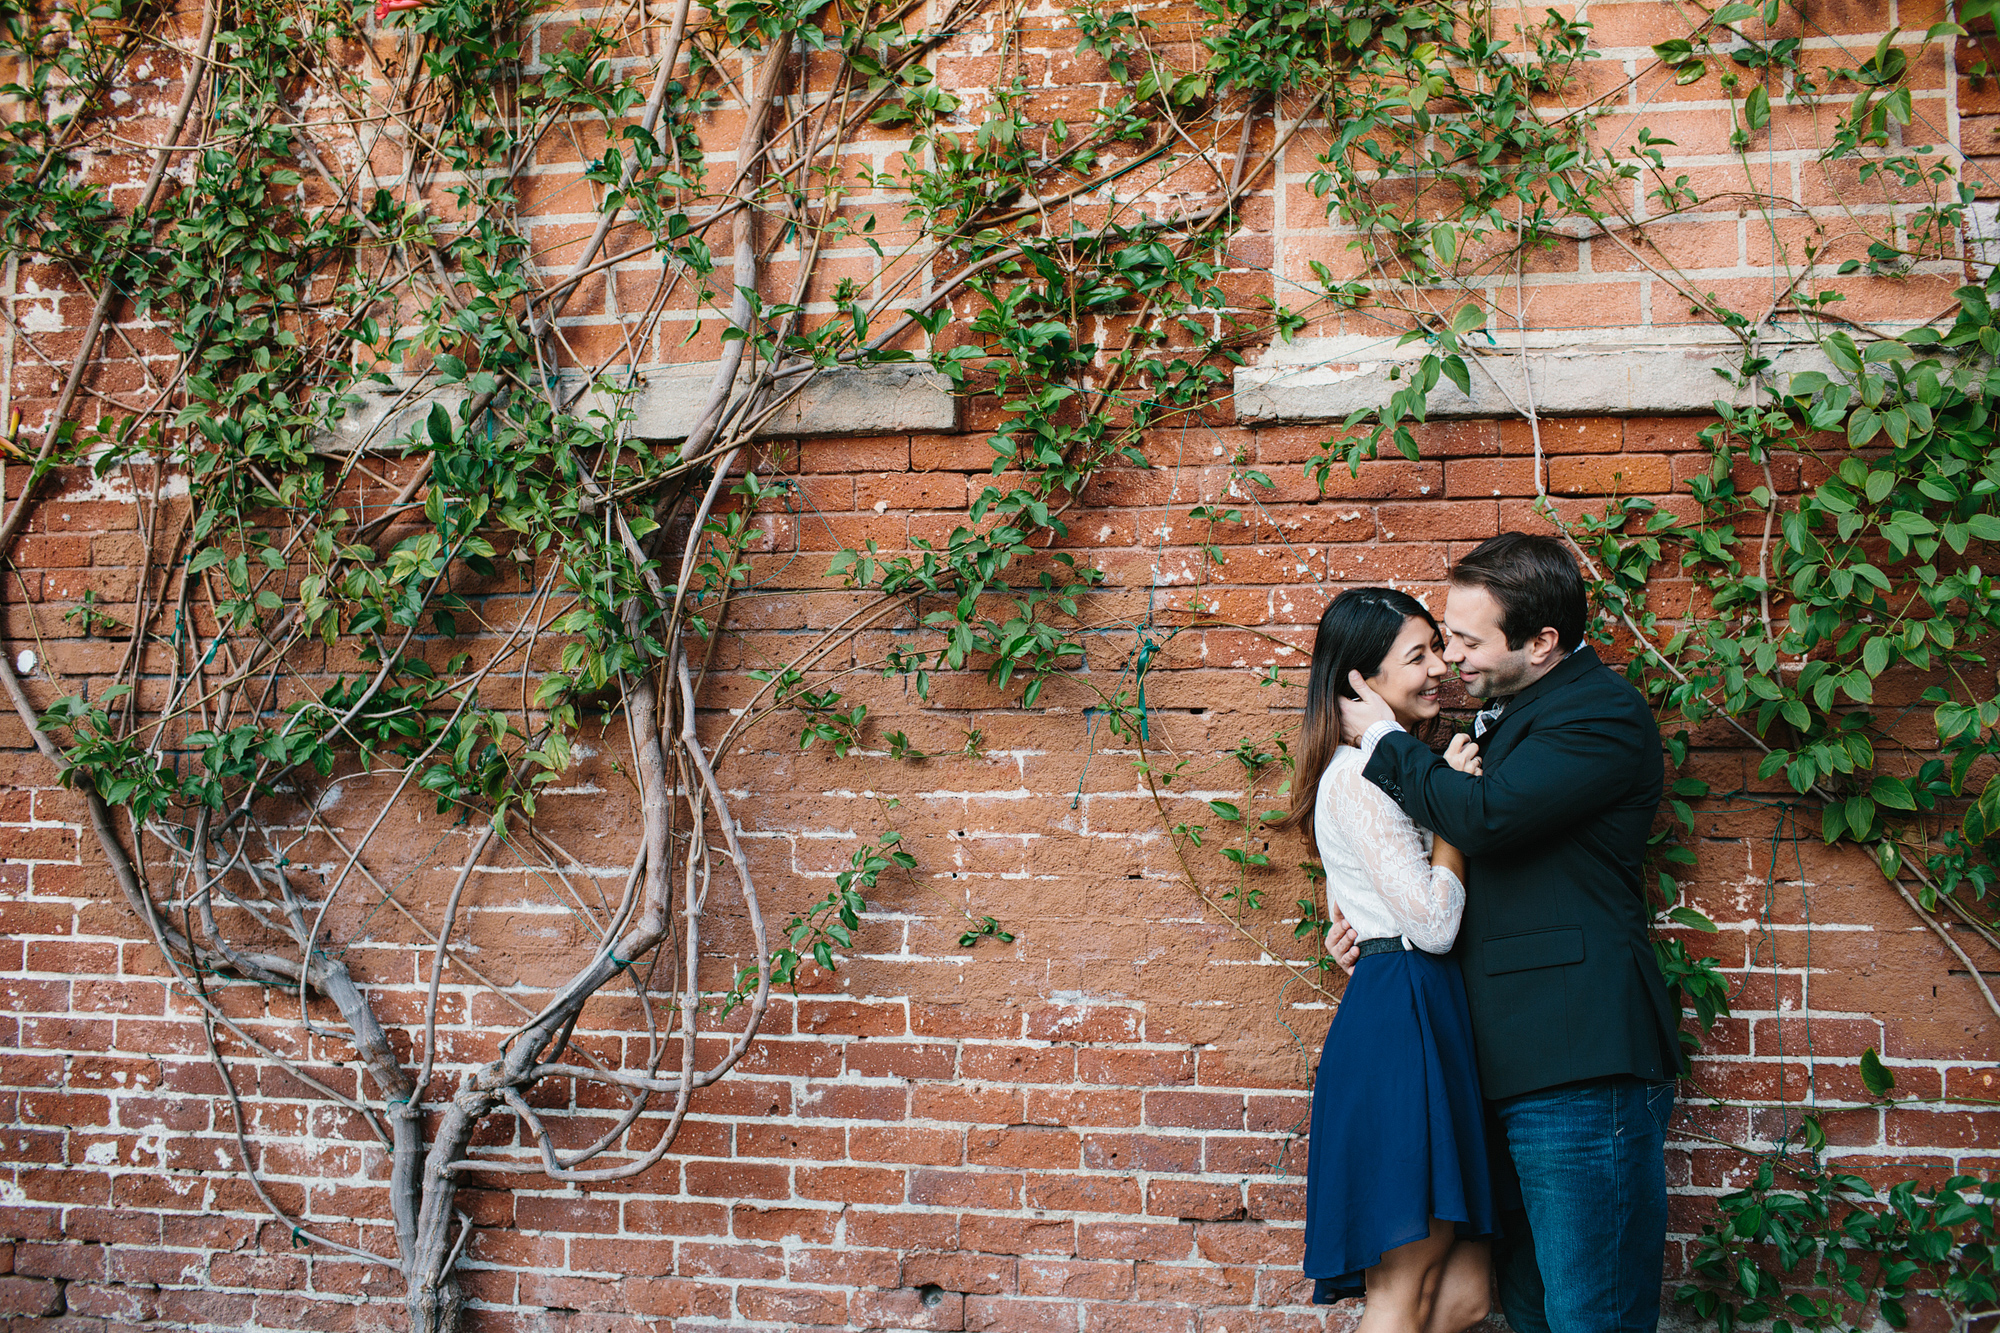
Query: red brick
844	1101
1083	1107
845	1266
763	1262
879	1059
902	1231
29	1296
1195	1110
793	1305
1098	1023
909	1146
1141	1152
984	1274
814	1226
1163	1319
1066	1191
851	1183
907	1309
738	1180
1198	1284
1019	1064
1036	1148
673	1298
1134	1240
999	1314
1076	1279
1195	1200
1135	1068
965	1189
1018	1235
851	1019
1249	1243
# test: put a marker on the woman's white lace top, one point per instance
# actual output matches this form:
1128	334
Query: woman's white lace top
1378	870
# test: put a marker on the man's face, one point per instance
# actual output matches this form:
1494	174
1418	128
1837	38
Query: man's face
1475	645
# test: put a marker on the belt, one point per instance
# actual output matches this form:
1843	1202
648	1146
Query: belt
1387	944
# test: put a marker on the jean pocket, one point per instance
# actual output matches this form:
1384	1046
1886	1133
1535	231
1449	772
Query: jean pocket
1660	1103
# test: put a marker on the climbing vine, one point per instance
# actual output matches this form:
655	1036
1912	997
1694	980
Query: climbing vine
496	568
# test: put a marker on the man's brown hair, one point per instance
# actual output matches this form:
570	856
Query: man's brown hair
1536	582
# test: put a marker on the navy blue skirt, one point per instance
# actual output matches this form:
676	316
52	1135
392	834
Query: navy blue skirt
1398	1129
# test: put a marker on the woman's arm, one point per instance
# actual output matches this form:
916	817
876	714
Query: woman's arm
1425	898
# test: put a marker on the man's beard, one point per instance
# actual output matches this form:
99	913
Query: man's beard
1501	683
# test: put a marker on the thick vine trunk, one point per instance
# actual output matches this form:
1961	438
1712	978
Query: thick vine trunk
434	1298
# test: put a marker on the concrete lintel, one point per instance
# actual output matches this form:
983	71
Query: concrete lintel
851	400
1625	372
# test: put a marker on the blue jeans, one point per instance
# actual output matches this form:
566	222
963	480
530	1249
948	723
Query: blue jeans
1587	1253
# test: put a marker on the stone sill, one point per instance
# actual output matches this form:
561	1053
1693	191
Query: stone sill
857	400
1596	372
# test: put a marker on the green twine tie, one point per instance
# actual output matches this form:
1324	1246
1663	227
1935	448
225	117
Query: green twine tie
1146	651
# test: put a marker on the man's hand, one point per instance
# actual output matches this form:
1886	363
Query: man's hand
1341	942
1463	755
1362	712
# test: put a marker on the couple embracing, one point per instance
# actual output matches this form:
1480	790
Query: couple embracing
1494	1092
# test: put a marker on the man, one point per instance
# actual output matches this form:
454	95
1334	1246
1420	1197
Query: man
1575	1031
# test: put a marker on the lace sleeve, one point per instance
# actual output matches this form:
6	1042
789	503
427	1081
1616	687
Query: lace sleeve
1425	900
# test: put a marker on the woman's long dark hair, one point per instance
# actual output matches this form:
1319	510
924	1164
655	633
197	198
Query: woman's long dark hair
1356	632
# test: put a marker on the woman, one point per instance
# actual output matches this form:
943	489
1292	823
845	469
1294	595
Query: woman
1398	1201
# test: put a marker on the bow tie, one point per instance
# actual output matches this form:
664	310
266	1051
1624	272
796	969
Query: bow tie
1487	718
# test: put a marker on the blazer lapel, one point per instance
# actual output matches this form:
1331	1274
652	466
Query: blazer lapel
1507	730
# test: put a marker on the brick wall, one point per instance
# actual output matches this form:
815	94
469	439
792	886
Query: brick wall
1098	1126
1102	1122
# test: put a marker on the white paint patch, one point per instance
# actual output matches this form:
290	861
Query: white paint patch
101	1154
117	488
153	1143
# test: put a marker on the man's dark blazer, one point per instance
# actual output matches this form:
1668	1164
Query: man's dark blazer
1558	968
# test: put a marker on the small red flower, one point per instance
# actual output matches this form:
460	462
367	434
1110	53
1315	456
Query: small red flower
384	8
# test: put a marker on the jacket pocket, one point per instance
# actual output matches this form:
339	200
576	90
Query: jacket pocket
1532	949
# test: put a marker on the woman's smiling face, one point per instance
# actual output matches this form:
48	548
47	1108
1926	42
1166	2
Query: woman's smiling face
1411	672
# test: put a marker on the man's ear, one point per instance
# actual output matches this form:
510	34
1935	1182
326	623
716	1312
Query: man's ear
1545	648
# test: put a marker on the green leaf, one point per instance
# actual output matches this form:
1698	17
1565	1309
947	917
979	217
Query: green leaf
1757	108
1875	655
1693	920
1983	820
1892	792
1860	813
1457	372
1874	1077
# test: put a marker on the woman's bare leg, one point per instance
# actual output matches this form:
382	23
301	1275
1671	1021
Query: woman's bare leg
1465	1293
1403	1287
